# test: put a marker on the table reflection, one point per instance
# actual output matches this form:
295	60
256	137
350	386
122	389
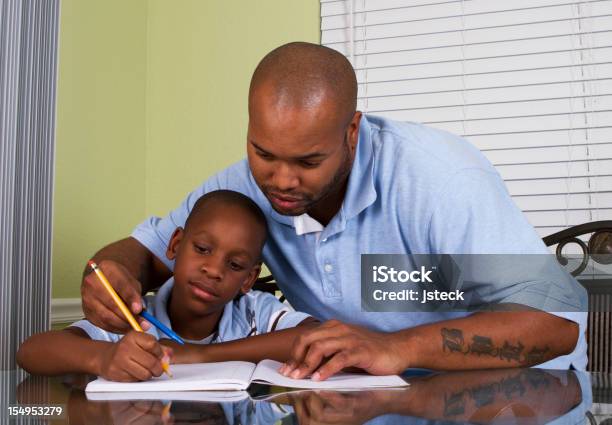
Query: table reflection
523	396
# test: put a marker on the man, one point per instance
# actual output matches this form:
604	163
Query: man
335	184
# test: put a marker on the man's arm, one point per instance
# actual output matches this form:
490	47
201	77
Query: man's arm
480	341
275	345
132	270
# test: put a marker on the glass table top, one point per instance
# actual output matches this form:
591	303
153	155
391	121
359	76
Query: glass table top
511	396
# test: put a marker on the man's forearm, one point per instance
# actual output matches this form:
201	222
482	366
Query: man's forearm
487	340
140	262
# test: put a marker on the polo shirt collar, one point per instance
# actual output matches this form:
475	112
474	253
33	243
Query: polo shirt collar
361	192
306	224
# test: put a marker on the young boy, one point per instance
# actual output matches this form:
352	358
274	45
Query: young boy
208	303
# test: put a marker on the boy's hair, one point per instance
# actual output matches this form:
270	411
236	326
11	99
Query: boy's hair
229	197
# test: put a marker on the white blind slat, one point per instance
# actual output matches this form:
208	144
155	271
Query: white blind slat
562	186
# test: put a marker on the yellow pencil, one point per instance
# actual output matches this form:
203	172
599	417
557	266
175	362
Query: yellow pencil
126	312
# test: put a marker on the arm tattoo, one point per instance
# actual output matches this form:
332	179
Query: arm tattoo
453	341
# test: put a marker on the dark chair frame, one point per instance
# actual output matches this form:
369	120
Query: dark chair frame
267	284
599	249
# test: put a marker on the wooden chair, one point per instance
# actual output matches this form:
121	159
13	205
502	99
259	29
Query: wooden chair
599	249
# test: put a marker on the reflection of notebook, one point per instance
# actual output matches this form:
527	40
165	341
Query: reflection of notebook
238	376
195	396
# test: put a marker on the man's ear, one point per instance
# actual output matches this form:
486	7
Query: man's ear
353	132
251	279
177	235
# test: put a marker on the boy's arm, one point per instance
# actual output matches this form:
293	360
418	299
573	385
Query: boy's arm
275	345
136	357
59	352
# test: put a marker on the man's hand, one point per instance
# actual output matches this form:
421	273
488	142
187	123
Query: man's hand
136	357
99	307
333	346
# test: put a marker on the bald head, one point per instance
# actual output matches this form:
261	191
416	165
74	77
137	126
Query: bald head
304	76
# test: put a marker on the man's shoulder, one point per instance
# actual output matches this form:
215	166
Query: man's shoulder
422	149
236	177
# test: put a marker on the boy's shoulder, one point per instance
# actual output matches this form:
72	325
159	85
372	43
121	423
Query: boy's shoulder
249	306
254	313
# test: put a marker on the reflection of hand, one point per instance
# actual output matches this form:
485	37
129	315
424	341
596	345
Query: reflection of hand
139	412
344	346
331	407
136	357
99	307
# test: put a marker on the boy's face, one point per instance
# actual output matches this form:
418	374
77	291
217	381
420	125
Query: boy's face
216	257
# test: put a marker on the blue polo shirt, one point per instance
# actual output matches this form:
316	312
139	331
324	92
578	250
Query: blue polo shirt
412	190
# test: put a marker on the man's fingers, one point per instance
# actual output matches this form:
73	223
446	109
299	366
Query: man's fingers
97	302
317	352
144	324
124	284
103	316
329	329
339	361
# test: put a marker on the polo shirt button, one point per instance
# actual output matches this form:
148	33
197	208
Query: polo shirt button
329	268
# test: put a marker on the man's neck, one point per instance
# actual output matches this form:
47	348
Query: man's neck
329	206
188	325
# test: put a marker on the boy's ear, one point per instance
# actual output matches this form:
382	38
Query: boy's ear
250	281
177	235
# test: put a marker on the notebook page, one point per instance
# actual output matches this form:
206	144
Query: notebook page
266	372
186	377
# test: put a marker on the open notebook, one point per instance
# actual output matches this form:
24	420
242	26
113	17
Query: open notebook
229	376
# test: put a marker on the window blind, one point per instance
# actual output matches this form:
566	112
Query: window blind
528	82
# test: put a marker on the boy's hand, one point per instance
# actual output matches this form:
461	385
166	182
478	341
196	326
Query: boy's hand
99	307
188	353
136	357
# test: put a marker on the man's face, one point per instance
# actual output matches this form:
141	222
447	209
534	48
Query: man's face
216	257
300	158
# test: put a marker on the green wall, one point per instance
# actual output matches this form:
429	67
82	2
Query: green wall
151	101
200	58
100	169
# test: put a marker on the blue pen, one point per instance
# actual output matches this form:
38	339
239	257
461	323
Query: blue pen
159	325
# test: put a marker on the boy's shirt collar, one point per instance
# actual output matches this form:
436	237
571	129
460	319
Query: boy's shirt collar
159	303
